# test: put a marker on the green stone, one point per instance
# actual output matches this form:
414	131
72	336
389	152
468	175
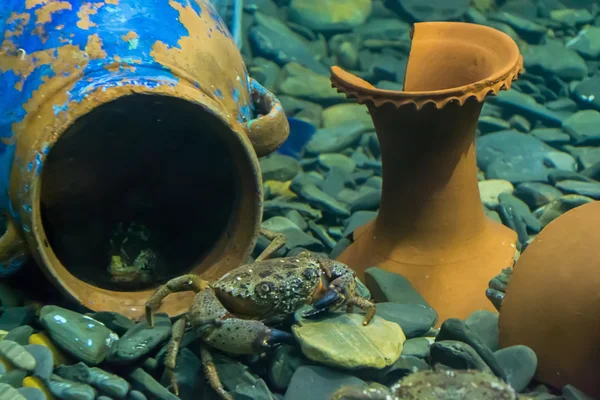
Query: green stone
17	355
7	392
340	340
79	335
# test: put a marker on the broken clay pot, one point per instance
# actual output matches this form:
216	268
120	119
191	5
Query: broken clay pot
123	117
552	302
431	227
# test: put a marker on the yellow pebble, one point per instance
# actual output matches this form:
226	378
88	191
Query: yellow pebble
280	188
8	366
43	339
35	382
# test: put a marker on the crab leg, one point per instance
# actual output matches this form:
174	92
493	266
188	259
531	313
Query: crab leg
277	241
342	291
173	349
180	284
210	371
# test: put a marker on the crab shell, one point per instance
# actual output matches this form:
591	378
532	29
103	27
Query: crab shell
274	287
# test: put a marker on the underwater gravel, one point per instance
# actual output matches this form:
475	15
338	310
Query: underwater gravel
538	158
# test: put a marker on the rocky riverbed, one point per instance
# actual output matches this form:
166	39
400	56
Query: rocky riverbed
538	155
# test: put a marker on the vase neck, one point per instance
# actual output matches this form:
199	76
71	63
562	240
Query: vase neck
430	192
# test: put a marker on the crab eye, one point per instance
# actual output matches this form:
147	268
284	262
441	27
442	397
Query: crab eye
265	287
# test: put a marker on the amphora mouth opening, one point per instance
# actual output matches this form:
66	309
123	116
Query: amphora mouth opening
138	191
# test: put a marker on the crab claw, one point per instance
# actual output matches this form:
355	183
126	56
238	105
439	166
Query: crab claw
332	300
271	337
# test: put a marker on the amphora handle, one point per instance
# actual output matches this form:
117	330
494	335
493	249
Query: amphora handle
13	249
270	129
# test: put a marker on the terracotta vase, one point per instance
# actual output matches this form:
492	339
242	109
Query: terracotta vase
431	226
552	301
124	111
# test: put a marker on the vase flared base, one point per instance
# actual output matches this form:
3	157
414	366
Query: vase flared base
453	288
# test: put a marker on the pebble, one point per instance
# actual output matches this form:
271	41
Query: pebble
522	210
20	334
388	376
583	127
529	30
13	317
190	376
9	393
519	363
347	112
485	325
586	43
278	167
239	381
65	389
273	39
322	201
44	361
58	356
136	395
116	322
143	382
417	347
488	124
387	286
589	189
336	139
536	194
369	200
526	105
457	330
105	382
339	161
551	136
587	93
517	157
284	363
560	206
457	355
554	59
79	335
489	191
15	377
432	10
340	340
140	340
294	235
330	15
275	207
17	355
318	382
414	319
299	81
356	220
30	393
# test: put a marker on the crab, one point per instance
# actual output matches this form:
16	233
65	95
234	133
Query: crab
132	261
232	313
435	384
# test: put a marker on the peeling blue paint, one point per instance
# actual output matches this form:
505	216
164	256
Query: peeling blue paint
150	20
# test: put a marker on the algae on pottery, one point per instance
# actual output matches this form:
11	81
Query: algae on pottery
431	226
125	118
